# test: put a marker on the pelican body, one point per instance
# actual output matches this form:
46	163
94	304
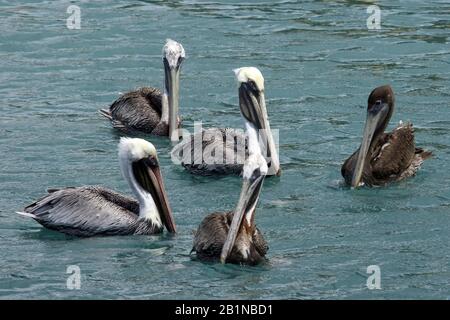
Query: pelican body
233	236
383	157
253	109
212	234
147	109
96	211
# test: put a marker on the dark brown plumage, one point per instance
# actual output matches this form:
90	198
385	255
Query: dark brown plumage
390	156
138	110
147	109
212	233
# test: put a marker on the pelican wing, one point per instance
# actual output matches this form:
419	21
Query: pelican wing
137	110
394	153
211	234
86	211
222	151
260	243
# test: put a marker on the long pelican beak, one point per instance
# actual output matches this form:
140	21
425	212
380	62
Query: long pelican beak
172	78
148	174
248	199
253	107
375	118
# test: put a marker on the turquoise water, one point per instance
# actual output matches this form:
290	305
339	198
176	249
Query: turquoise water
320	63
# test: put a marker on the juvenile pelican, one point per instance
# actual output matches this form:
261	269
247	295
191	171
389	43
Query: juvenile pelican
383	157
97	211
233	236
146	109
253	108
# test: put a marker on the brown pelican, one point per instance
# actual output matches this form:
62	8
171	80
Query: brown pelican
233	236
383	157
97	211
253	107
146	109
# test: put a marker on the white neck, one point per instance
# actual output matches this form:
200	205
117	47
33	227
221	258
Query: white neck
249	213
253	139
253	148
165	101
147	207
165	108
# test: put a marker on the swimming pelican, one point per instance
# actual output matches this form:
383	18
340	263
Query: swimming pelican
97	211
253	108
383	157
233	236
146	109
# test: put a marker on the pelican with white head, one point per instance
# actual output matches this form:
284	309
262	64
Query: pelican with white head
93	210
173	57
253	107
149	109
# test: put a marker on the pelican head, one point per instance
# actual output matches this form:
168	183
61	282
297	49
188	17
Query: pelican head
255	169
140	167
253	107
379	111
173	54
173	57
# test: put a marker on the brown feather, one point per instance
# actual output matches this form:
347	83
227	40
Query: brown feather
139	110
212	234
394	157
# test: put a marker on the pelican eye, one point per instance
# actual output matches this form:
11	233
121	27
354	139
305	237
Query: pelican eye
253	85
180	60
256	174
151	161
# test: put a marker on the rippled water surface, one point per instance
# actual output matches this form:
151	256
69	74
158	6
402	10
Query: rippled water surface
320	63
